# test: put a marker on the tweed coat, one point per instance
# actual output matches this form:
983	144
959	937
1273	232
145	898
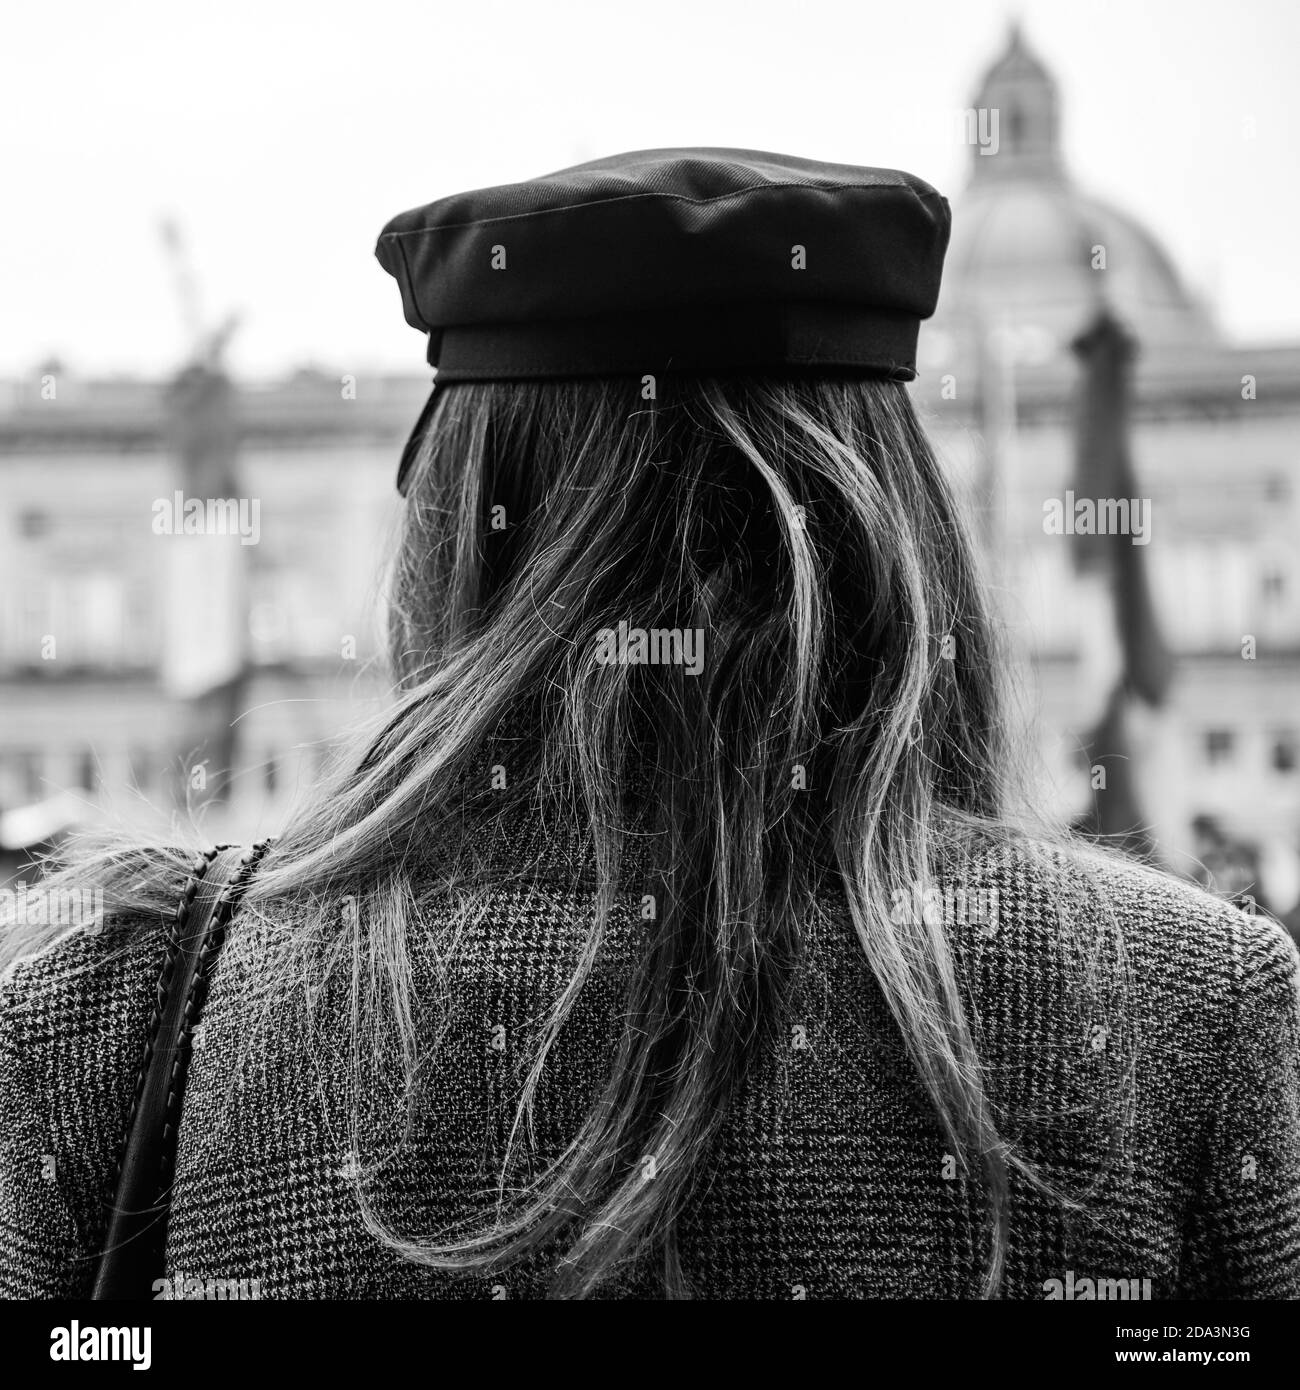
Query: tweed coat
1169	1110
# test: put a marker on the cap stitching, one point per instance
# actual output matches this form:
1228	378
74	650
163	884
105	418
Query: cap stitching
663	197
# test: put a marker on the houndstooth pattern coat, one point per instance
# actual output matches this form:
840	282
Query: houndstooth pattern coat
831	1177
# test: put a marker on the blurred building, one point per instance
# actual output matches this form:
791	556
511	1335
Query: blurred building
105	720
91	621
1216	446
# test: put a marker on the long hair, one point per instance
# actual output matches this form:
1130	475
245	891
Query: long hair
826	718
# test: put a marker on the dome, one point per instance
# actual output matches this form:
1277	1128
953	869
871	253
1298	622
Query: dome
1023	234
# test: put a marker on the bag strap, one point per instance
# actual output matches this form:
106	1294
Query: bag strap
140	1190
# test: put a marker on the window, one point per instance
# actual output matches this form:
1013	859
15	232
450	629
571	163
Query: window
33	524
1273	584
1218	745
1283	753
87	771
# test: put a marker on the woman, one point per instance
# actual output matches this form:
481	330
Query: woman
673	932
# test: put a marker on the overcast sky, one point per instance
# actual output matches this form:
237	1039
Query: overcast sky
282	136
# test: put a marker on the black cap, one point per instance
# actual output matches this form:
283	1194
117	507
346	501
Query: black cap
673	260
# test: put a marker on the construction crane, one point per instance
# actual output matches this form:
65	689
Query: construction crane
207	345
204	666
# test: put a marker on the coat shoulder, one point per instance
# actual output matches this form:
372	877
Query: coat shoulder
1171	932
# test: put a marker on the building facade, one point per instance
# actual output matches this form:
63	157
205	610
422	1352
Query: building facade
96	621
1215	441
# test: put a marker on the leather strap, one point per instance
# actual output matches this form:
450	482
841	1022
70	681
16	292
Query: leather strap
133	1253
